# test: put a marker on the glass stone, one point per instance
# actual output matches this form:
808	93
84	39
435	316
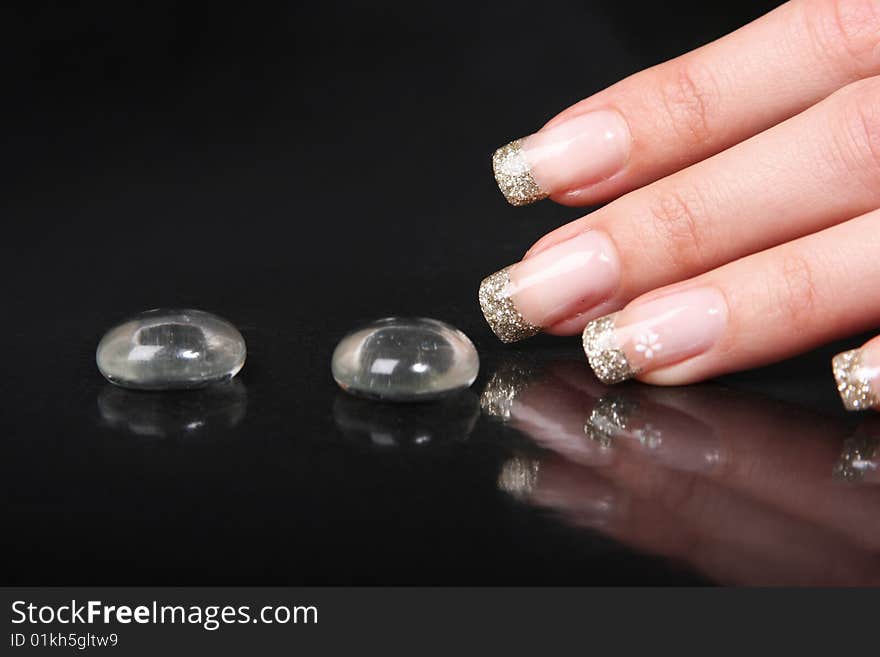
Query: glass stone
171	349
405	359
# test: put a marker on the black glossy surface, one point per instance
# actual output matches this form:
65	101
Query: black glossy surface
300	171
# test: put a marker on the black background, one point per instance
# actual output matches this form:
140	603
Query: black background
298	168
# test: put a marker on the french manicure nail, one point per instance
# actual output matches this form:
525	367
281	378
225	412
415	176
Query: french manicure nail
857	373
653	334
564	280
573	154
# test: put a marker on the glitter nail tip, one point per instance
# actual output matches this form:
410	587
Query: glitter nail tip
604	354
499	310
171	350
514	175
854	380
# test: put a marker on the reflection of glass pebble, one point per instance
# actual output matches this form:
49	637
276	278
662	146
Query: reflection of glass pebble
399	359
171	349
211	411
401	426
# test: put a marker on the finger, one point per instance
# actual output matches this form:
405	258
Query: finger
810	172
756	310
666	117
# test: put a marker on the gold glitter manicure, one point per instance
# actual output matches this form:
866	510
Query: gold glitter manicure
604	353
514	175
503	317
854	380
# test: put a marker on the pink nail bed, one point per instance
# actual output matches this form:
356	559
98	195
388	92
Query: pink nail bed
653	334
566	279
582	150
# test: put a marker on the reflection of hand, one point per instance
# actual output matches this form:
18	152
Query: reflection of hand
738	486
744	213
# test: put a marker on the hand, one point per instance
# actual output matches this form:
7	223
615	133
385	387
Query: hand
744	489
747	228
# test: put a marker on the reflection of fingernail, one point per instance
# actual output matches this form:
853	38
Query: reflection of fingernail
653	334
609	417
675	439
859	458
519	476
565	280
689	452
664	434
504	385
857	373
575	153
582	497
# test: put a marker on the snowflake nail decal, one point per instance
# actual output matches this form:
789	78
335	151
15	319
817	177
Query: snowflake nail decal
648	345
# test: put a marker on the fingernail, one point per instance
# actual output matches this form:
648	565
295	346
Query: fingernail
560	282
573	154
653	334
857	373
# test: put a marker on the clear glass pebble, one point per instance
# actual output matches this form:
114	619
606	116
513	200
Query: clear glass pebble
171	349
405	359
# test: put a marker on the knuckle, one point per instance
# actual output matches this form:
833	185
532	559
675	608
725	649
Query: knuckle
845	31
797	297
861	121
690	98
851	145
680	221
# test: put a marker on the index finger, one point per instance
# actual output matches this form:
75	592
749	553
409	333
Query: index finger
666	117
